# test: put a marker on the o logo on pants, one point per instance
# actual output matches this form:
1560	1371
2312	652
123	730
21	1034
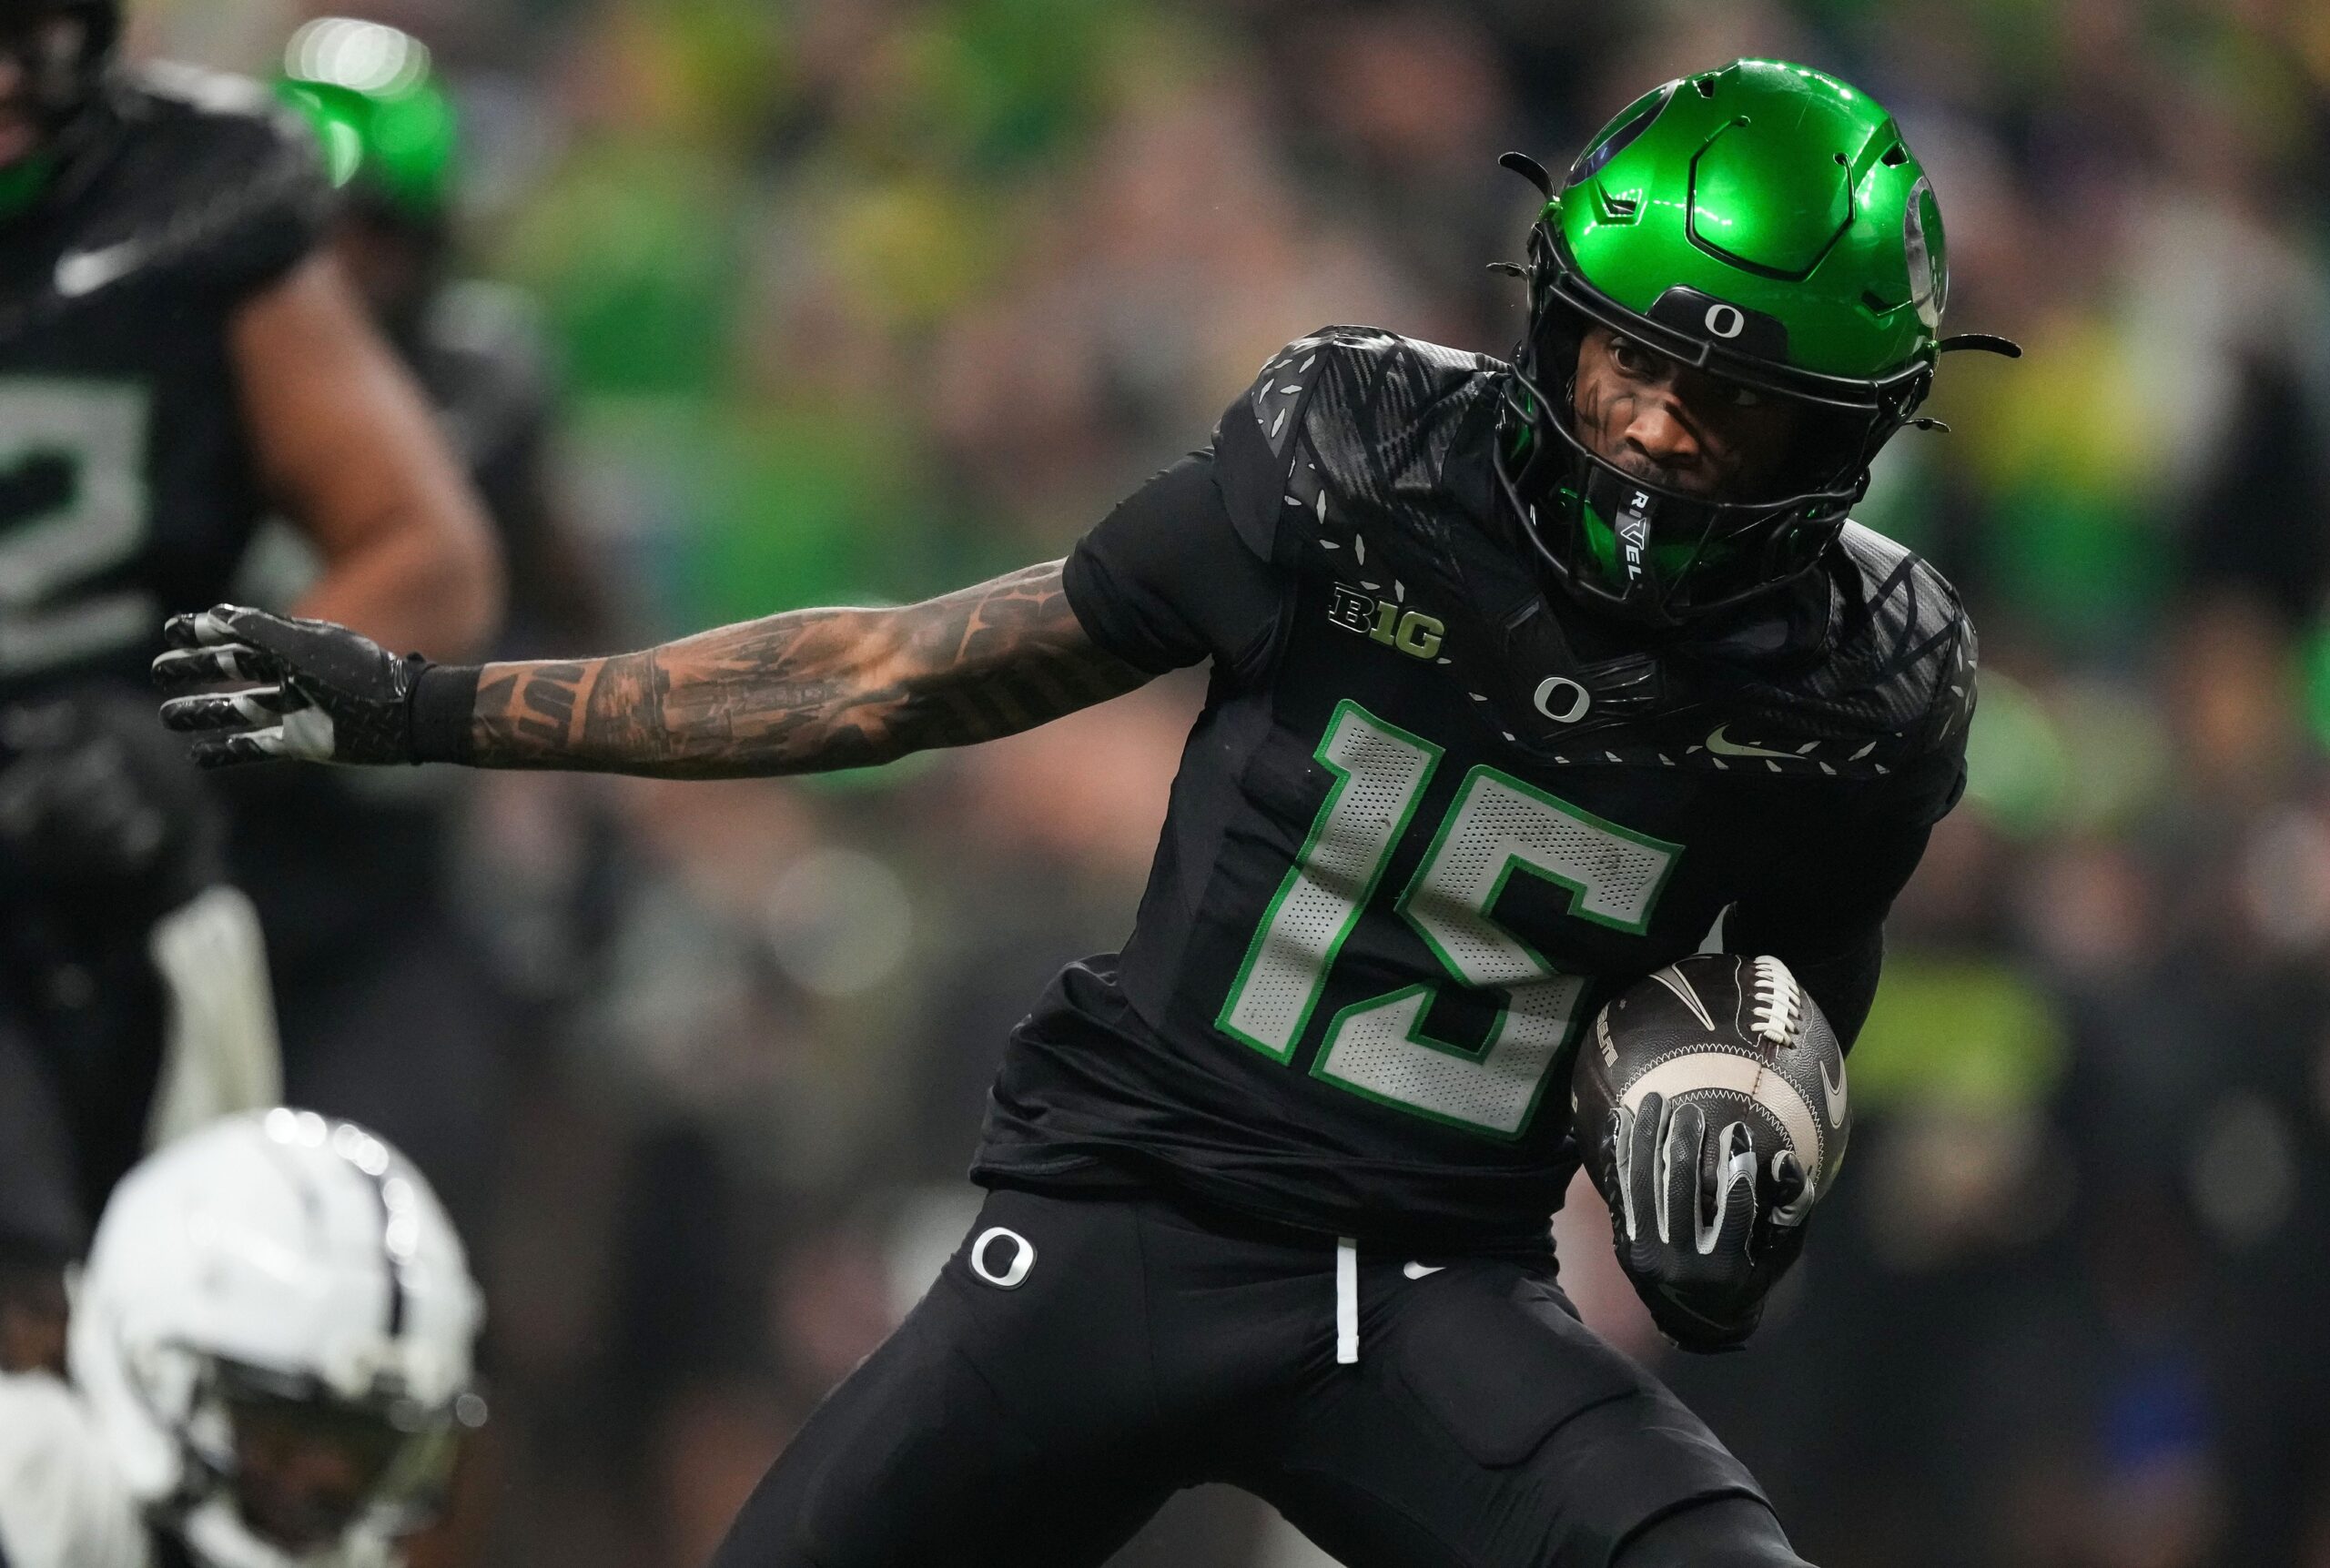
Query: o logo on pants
1023	1257
1725	320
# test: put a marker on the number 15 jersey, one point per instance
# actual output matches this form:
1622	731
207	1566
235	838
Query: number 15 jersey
1431	815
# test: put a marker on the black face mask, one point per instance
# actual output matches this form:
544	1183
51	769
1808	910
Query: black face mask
1648	552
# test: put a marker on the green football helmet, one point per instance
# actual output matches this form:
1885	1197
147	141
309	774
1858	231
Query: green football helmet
1764	223
390	133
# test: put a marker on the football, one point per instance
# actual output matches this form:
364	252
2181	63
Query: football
1739	1036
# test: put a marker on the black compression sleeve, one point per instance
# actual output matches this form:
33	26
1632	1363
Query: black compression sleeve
1844	984
1166	581
444	700
1826	922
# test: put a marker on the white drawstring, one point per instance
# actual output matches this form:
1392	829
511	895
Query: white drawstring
1346	1301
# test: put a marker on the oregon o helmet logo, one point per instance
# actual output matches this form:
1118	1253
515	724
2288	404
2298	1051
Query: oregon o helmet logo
1015	1272
1725	320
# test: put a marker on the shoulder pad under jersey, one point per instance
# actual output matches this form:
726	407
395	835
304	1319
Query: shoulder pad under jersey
1348	418
1898	667
211	179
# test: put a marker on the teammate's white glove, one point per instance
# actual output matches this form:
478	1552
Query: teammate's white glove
317	693
1684	1218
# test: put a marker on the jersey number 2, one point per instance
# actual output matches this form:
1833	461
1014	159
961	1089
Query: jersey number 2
73	506
1497	825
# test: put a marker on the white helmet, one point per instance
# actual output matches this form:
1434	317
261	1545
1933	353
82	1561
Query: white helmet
277	1273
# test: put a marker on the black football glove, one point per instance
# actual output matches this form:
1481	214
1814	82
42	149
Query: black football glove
317	692
1684	1220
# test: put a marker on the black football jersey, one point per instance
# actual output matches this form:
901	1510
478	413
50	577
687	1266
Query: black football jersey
126	490
1431	815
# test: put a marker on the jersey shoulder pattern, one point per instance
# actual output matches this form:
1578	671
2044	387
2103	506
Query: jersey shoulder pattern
1355	420
203	181
1892	674
1366	458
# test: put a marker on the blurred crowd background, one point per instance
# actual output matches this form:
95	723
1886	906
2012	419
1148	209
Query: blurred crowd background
852	300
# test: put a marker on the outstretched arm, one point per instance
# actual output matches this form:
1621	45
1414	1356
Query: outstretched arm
808	690
803	692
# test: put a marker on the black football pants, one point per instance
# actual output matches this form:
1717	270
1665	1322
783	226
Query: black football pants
1082	1358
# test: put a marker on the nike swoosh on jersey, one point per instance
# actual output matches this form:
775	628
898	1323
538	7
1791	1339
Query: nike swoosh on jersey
80	272
1729	748
1418	1270
1832	1092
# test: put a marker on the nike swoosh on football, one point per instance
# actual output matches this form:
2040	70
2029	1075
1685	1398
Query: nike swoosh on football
1418	1270
83	272
1725	748
1833	1093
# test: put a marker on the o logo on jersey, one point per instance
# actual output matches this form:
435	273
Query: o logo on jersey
1015	1273
1725	320
1552	686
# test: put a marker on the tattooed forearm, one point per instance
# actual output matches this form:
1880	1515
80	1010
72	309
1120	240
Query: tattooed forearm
807	691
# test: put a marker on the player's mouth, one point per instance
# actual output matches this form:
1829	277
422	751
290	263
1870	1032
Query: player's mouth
1698	481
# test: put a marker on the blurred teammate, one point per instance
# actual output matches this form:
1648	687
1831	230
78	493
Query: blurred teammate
390	136
1524	677
270	1353
178	355
391	1011
178	359
133	1000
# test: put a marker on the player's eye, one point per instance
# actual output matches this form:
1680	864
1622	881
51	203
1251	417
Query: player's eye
1632	359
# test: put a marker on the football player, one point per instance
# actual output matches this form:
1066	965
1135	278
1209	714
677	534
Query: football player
391	138
1524	675
178	357
133	1000
392	1013
270	1355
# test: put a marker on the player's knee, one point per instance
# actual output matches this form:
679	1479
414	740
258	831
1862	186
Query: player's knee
1721	1532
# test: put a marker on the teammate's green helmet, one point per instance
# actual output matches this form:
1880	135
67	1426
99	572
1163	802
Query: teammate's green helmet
1763	222
389	130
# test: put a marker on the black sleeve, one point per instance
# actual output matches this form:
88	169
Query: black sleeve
1166	581
1843	983
1824	915
1826	922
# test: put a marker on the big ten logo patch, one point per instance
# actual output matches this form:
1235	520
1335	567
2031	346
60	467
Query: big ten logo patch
1411	632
